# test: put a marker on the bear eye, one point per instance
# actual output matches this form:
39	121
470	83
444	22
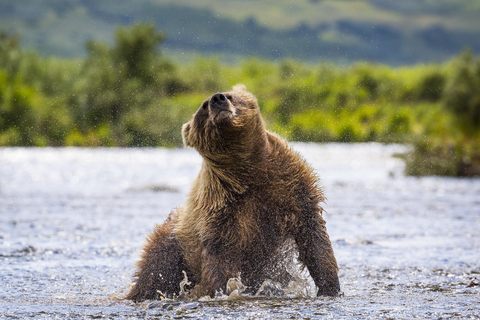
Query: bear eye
204	104
229	97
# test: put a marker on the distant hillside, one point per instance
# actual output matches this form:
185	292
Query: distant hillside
393	32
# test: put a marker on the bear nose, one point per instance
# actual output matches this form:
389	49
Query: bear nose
218	100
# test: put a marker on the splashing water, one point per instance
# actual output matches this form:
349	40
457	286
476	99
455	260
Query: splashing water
300	287
183	293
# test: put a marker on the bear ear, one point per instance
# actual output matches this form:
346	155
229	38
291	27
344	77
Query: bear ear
239	88
185	132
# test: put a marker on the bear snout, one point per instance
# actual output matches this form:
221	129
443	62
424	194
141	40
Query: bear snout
219	101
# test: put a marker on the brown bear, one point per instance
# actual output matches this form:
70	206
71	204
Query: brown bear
253	195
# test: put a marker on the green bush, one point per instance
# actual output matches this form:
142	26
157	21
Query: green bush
432	158
128	94
462	93
17	120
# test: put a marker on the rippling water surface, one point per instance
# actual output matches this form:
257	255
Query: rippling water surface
72	223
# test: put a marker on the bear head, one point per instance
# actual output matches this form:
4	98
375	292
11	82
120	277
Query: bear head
226	126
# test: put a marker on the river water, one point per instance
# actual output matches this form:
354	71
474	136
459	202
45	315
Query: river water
73	221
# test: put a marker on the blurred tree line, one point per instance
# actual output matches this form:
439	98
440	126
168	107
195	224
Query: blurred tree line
314	30
130	95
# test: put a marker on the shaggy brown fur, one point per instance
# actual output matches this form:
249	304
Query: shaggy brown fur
252	196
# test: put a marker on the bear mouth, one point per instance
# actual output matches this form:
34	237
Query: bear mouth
221	116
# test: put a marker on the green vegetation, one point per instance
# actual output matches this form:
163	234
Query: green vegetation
452	146
129	94
342	31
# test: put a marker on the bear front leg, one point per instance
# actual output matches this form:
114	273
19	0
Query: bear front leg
217	268
316	253
160	269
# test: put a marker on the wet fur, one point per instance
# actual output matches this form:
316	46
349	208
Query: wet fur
252	195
